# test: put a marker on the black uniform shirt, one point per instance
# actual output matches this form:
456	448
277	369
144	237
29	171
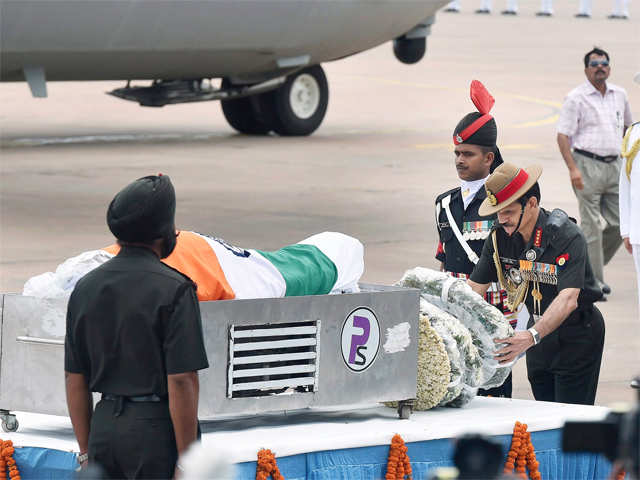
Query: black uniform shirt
564	247
452	254
132	321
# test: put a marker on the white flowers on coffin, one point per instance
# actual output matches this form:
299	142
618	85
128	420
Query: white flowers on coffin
467	325
434	368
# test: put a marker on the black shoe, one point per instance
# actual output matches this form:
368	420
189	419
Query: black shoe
606	289
582	15
617	17
509	12
452	10
635	383
483	11
543	14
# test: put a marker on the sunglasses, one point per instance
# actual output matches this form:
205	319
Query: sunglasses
595	63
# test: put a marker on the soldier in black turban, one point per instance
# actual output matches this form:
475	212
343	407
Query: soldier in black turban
461	229
134	335
144	211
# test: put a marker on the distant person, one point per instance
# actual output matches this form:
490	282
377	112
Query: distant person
453	7
620	10
512	8
630	195
134	334
486	7
585	8
546	8
592	121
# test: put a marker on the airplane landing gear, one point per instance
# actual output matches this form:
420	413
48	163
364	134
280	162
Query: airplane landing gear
296	108
409	50
243	113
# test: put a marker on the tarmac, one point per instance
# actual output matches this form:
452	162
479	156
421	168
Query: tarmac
372	170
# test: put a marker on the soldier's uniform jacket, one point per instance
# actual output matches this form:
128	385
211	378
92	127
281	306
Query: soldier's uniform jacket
555	257
565	365
474	229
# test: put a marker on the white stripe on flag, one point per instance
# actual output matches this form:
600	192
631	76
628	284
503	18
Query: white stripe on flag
346	253
249	277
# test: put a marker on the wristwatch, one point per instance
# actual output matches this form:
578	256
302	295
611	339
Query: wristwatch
536	336
83	458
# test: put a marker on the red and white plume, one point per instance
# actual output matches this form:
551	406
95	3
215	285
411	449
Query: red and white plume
481	97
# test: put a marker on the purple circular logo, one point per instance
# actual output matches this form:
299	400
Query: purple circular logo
360	339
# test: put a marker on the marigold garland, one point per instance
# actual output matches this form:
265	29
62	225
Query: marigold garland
7	461
267	465
398	464
522	455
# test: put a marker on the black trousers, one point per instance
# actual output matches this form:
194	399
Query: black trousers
503	390
565	365
133	440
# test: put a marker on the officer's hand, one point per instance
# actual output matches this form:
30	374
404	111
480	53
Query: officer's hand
627	244
516	345
576	179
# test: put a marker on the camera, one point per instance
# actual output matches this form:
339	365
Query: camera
616	437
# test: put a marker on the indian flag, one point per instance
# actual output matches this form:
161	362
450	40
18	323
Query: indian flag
329	262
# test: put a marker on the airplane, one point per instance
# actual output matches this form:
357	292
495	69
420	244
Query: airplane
264	56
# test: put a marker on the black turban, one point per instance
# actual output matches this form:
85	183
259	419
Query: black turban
143	210
486	136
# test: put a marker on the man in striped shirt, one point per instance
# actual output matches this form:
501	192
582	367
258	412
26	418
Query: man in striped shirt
592	122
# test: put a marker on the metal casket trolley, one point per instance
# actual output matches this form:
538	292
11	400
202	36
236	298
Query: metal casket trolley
265	355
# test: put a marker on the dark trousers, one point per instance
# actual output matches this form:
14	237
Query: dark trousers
565	365
503	390
133	440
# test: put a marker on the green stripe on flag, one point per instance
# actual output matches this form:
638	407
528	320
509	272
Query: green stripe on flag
305	269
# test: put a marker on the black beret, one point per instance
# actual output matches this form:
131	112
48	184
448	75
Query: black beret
143	210
486	135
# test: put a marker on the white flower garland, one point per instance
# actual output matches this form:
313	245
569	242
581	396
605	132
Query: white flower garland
465	331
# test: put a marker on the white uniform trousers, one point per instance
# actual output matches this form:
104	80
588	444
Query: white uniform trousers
586	7
635	248
454	5
620	8
485	5
512	5
546	6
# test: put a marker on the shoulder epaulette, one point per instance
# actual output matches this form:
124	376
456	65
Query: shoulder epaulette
555	221
448	192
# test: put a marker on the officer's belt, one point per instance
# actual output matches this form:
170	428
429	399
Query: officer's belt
140	398
600	158
471	255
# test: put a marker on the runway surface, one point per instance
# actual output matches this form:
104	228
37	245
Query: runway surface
372	170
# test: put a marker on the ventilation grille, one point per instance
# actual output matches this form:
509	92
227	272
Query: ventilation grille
273	359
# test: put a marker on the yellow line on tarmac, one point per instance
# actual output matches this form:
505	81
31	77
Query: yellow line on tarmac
448	146
534	123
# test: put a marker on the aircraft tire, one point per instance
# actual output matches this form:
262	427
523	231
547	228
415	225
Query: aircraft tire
242	114
298	107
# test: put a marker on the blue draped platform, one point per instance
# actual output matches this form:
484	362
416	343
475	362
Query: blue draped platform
351	445
369	463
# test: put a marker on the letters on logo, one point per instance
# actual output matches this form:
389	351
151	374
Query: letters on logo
360	339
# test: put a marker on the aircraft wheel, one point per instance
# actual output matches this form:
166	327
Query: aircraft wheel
242	114
299	105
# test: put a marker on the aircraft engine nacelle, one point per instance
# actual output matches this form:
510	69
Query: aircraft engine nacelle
410	47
